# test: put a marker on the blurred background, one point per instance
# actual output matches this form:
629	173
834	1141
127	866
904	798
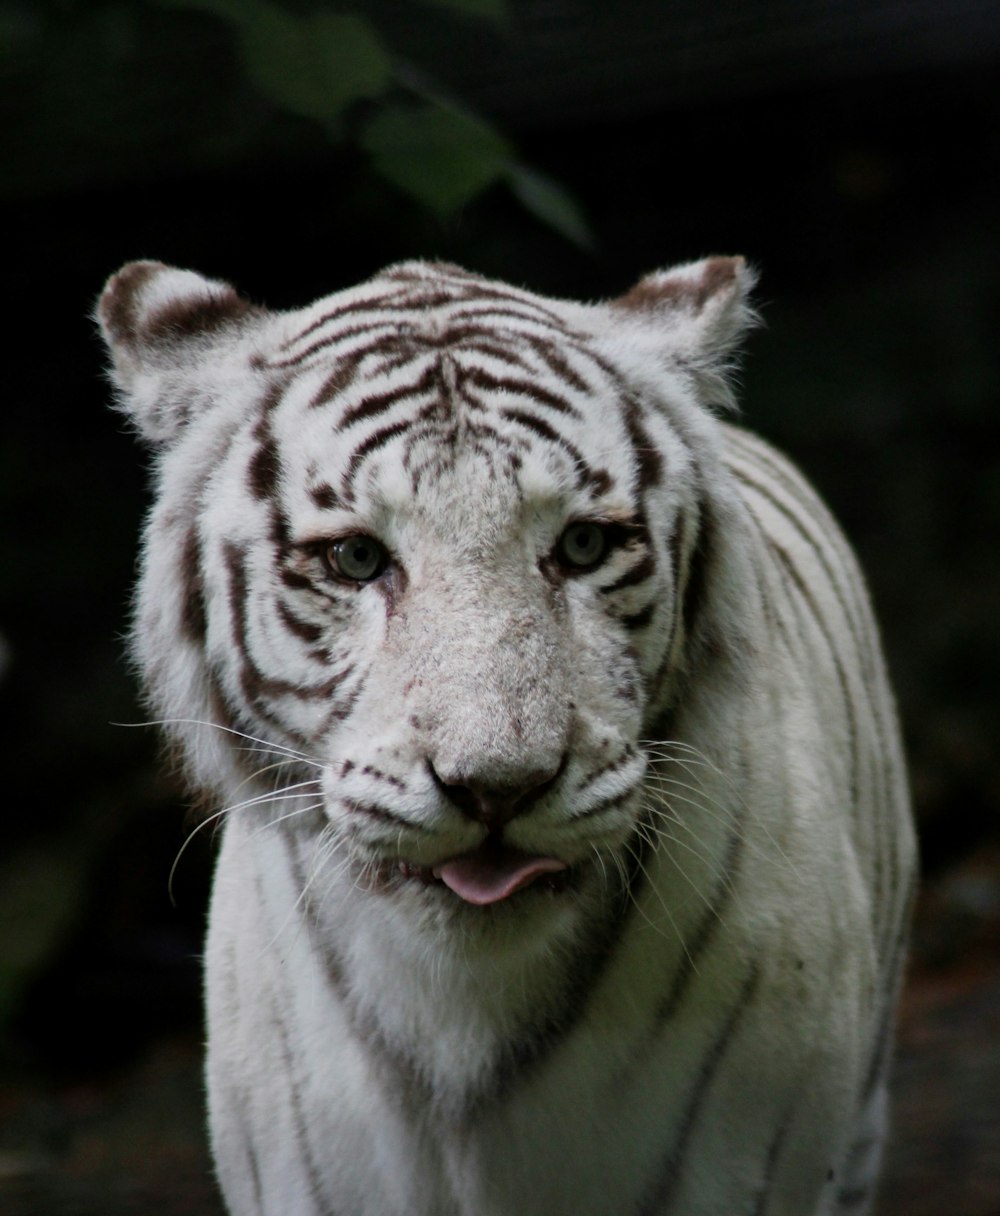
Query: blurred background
850	148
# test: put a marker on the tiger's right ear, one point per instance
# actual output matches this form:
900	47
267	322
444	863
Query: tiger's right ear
158	322
694	315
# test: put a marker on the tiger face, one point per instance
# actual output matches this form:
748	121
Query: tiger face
435	544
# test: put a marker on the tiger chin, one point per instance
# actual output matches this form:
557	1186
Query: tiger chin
566	855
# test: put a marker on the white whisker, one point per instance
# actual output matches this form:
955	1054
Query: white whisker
280	748
650	885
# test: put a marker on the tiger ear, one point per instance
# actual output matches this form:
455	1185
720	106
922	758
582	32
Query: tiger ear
696	314
157	321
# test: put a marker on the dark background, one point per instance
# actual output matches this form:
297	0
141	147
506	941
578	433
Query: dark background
850	150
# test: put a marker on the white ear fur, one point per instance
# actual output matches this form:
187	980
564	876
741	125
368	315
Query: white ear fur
696	315
157	321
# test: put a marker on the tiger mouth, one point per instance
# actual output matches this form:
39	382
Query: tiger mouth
490	874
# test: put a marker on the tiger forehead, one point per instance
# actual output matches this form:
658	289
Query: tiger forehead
483	414
435	309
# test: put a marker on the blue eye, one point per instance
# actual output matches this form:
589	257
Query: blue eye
357	558
583	546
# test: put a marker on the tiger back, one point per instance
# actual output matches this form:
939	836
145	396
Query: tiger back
566	857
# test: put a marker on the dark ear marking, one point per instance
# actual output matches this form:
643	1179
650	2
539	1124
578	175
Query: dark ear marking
117	309
186	318
691	318
165	328
690	287
150	304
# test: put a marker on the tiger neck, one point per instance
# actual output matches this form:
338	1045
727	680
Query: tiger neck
442	1005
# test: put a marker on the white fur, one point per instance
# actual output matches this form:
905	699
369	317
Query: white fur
357	1035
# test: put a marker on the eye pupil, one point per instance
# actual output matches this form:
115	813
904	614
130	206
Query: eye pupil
358	558
582	545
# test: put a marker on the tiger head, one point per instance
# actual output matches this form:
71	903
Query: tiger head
433	555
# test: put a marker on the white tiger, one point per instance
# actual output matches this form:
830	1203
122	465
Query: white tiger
567	858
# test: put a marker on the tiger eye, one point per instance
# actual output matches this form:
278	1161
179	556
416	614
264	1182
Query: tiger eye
583	546
357	558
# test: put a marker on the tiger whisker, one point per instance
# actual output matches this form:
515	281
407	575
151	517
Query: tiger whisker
717	811
657	776
660	900
663	834
297	813
229	730
301	900
224	812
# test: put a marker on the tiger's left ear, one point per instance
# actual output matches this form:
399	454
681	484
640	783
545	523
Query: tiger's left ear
148	309
159	323
696	314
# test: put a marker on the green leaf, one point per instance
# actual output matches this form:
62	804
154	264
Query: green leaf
440	156
550	203
316	66
492	10
312	66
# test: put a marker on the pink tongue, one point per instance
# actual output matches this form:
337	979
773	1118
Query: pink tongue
491	874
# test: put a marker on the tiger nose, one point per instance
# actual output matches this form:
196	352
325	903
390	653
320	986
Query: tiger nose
496	803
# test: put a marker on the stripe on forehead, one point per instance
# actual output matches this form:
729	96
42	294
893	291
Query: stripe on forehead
430	305
451	406
433	354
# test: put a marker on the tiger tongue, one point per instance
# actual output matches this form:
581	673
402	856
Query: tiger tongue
493	873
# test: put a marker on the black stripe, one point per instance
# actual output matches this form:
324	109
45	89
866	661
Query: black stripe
648	459
381	814
380	403
642	570
612	766
709	924
375	307
812	509
295	580
662	1189
254	1164
590	964
538	425
555	360
806	595
193	613
306	630
345	368
373	304
512	306
510	384
370	771
852	602
771	1163
814	544
264	468
891	970
676	549
324	496
255	686
639	619
694	592
585	475
403	1076
300	1124
767	601
600	808
377	439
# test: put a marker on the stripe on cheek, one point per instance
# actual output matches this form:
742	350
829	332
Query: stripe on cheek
193	612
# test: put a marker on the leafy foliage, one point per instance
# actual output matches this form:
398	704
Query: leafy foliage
441	156
321	64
